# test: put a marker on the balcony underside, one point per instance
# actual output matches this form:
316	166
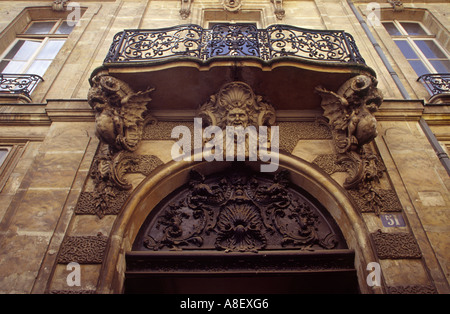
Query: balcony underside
185	84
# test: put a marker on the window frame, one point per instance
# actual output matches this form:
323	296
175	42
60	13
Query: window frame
15	150
404	36
43	39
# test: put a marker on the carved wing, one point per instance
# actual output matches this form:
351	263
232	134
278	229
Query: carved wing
336	108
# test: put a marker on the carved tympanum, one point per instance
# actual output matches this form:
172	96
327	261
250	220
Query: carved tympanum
239	211
349	112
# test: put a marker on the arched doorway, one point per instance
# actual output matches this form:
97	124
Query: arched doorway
144	250
239	231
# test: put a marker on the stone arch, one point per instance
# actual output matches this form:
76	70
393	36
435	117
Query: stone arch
173	175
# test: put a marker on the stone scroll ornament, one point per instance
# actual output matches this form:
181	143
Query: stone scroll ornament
120	116
349	113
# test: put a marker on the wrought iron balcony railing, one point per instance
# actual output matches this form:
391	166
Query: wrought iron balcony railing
436	84
233	40
22	84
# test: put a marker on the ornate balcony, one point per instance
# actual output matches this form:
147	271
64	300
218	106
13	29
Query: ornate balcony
185	64
236	40
18	84
438	85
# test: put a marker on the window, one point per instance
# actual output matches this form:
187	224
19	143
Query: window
8	158
3	154
33	50
419	47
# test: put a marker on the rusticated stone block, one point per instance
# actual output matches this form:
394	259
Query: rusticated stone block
412	289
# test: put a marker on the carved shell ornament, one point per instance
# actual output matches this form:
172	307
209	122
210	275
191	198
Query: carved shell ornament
238	211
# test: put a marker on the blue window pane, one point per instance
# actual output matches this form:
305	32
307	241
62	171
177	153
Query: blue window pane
405	47
413	28
51	49
12	66
39	67
3	154
65	28
441	66
419	67
391	29
40	28
429	49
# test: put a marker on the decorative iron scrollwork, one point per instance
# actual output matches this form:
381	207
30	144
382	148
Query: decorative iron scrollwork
233	40
436	84
239	212
19	83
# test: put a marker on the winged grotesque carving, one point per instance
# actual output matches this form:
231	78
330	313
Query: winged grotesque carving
120	117
350	114
119	112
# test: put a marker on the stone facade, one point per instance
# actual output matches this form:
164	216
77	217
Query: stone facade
90	151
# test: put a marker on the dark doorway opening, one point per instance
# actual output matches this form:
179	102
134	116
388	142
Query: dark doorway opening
241	273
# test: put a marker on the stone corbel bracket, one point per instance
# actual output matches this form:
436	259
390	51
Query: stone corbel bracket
185	9
279	11
350	116
120	117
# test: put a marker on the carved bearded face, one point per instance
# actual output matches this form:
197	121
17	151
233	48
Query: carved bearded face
237	117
